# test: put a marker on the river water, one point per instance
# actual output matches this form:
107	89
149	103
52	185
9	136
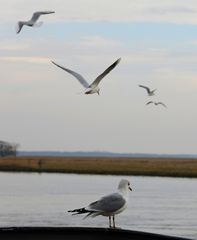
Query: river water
157	204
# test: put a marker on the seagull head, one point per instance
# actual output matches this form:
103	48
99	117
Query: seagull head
124	185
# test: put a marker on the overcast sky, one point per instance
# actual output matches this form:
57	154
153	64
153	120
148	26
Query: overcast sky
44	108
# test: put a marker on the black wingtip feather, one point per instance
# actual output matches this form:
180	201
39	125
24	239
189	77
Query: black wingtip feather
79	211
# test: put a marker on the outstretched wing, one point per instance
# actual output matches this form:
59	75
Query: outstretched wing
147	89
36	15
162	104
19	26
102	75
149	102
75	74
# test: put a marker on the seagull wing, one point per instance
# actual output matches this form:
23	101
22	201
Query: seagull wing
149	102
76	75
161	104
19	26
36	15
102	75
147	89
46	12
109	203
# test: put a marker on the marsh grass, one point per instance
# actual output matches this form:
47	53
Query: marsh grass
103	165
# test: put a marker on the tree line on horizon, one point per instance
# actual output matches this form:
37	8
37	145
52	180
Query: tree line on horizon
8	149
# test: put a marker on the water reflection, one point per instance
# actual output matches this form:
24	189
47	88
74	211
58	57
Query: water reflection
160	205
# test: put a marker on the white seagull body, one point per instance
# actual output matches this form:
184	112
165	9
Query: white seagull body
93	87
33	21
150	92
109	205
156	103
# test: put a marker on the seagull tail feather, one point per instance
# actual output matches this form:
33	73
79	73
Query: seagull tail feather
78	211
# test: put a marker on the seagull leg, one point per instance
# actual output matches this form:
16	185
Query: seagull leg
114	225
110	222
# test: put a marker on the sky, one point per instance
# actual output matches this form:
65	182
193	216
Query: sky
44	108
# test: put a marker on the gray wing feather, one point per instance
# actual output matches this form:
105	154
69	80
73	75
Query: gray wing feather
36	15
76	75
162	104
147	89
19	26
149	102
109	203
102	75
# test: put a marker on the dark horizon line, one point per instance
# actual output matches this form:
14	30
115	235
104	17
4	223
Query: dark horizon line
100	153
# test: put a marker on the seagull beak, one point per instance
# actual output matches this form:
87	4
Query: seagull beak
130	188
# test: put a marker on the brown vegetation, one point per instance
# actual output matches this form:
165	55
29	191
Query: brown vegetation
103	165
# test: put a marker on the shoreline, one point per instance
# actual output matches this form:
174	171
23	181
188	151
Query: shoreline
164	167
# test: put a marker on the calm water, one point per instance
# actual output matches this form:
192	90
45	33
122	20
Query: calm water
160	205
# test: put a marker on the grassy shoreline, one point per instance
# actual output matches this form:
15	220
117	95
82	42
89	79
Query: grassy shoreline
173	167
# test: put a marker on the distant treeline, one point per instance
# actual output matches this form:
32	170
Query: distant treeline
8	149
101	154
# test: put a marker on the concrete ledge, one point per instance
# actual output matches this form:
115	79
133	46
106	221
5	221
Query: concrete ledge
79	233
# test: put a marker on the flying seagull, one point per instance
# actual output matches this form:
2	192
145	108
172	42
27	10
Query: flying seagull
150	92
33	21
93	87
156	103
109	205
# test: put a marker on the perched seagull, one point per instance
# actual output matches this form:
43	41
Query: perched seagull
156	103
93	87
109	205
33	21
150	92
